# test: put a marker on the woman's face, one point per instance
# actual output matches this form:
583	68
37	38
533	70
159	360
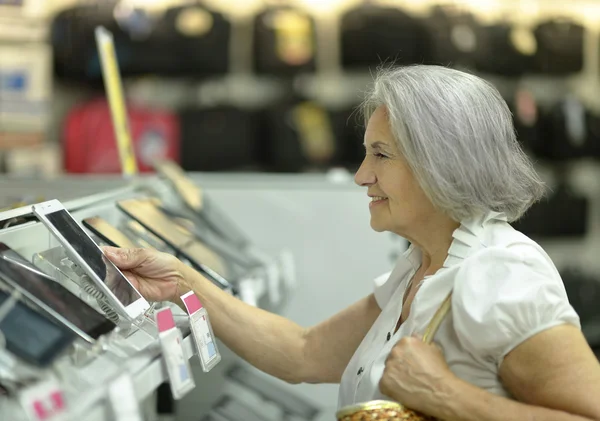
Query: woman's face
397	201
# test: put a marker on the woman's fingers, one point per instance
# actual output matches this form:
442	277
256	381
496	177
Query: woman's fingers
126	258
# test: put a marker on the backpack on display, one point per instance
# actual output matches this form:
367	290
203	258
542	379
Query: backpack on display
89	144
372	34
559	47
220	138
505	50
284	41
454	36
187	40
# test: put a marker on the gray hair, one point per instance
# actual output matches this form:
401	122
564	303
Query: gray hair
457	134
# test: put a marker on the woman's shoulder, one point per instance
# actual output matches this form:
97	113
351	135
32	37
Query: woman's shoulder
507	291
494	243
507	267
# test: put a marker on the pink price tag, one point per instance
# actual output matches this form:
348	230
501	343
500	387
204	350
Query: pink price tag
164	319
191	302
43	401
57	400
40	410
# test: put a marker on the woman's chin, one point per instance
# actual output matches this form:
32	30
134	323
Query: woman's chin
377	226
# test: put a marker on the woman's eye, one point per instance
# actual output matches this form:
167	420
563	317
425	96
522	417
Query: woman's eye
380	155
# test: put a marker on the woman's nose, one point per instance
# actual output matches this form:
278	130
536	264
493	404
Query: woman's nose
364	175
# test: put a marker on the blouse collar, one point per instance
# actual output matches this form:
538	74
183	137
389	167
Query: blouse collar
466	239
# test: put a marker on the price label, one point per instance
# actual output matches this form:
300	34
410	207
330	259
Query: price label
178	367
123	400
43	401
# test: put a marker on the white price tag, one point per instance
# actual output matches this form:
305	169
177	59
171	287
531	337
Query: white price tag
123	400
44	401
201	332
204	340
178	367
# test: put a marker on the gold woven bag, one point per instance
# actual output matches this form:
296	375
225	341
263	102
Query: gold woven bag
381	410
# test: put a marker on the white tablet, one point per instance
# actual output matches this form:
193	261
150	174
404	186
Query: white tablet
84	252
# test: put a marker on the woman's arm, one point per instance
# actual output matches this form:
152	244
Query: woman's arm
279	346
554	375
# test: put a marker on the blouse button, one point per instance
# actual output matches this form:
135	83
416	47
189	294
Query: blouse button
389	336
360	371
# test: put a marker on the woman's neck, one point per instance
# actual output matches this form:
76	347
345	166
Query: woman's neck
433	241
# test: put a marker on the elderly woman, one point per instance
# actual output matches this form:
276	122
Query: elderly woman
444	170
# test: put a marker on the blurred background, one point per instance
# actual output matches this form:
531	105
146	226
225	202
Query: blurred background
270	86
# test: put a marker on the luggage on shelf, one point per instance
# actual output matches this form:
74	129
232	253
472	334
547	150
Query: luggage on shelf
220	138
195	40
74	45
506	50
188	40
89	144
454	36
349	128
559	47
372	34
299	135
593	126
583	290
567	129
528	119
563	214
284	41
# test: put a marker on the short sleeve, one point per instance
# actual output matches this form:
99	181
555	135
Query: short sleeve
504	296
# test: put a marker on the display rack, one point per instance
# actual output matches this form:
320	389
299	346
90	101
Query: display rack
306	214
86	393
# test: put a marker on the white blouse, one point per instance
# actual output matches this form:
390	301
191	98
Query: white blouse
506	289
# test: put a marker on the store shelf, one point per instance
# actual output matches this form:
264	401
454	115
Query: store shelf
148	371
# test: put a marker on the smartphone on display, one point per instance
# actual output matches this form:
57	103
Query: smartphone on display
203	233
85	253
200	204
52	297
144	237
31	335
108	233
150	217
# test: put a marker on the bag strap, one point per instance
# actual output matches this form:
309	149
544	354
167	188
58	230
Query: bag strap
437	319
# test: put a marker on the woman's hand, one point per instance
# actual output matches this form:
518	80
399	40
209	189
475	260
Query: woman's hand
416	375
157	276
